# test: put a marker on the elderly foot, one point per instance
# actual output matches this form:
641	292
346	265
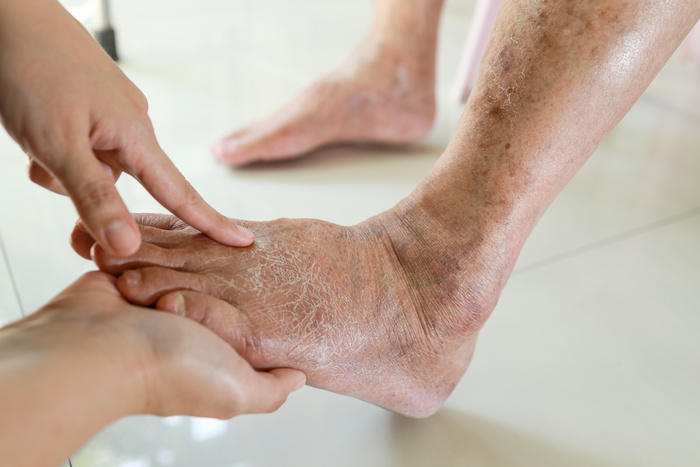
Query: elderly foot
384	93
387	311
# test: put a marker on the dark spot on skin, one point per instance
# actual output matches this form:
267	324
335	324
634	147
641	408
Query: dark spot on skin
507	145
400	337
506	65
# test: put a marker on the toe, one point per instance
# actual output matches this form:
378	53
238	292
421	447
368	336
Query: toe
225	320
161	222
245	148
145	286
293	131
148	255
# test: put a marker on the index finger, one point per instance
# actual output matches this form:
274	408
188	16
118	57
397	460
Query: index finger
159	176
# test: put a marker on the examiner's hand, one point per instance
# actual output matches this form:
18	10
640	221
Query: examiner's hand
163	364
82	123
88	358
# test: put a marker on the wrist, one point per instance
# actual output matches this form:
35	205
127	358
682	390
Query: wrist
416	20
55	388
77	363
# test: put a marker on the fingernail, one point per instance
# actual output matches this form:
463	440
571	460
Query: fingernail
179	304
246	234
121	238
132	277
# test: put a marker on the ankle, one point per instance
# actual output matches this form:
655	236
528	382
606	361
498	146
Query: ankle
461	260
448	291
408	20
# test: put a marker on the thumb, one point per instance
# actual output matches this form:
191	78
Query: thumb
99	205
266	391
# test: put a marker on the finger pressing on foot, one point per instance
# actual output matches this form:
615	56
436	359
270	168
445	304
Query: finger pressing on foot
154	226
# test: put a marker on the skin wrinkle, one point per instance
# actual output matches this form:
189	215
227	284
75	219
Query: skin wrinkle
310	315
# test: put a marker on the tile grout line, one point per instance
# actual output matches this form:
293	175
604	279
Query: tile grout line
608	241
6	260
15	289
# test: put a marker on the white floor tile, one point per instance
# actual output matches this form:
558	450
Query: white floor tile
645	171
600	352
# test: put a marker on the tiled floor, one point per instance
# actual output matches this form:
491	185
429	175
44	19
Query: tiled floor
592	356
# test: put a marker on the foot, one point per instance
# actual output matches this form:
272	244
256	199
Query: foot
384	93
382	311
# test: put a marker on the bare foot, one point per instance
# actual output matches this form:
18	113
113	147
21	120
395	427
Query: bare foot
384	93
382	311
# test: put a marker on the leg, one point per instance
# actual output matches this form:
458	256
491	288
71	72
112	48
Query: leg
389	310
383	93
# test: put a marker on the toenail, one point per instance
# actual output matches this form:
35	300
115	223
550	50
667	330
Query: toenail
132	277
231	145
179	304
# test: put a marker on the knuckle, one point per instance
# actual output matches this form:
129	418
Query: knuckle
95	193
188	199
139	97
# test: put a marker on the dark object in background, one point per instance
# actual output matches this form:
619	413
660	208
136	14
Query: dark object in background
104	32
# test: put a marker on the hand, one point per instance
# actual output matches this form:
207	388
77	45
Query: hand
173	365
83	122
88	358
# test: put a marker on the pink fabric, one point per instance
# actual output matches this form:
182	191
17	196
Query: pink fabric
690	48
484	20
